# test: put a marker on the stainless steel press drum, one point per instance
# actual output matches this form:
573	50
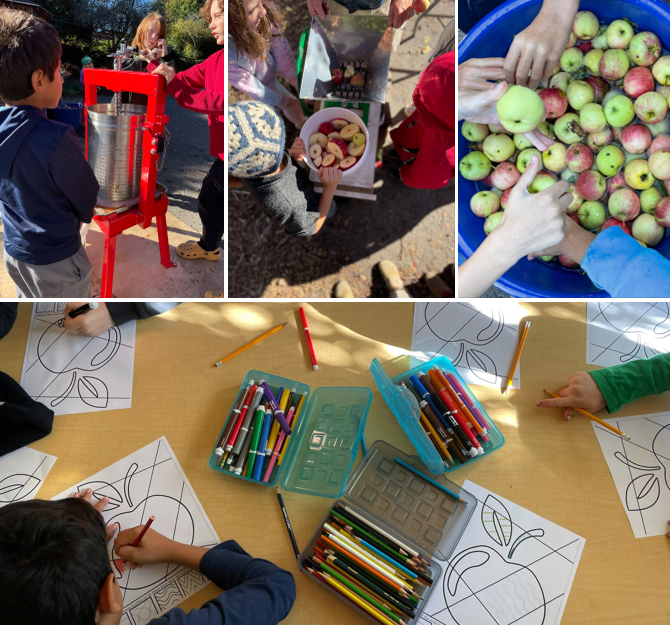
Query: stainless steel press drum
115	150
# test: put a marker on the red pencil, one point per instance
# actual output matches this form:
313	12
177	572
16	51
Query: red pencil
138	540
315	364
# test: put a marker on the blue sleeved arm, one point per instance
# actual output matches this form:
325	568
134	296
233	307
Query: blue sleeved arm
122	312
618	264
257	591
74	176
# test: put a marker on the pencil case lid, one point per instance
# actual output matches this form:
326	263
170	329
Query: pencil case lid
425	517
406	410
325	443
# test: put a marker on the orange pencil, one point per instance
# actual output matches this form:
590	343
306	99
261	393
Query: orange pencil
249	344
517	356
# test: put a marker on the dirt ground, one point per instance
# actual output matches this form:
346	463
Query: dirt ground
413	228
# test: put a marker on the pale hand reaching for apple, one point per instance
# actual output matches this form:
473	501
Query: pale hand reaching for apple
574	244
535	51
399	12
480	106
582	392
318	7
297	150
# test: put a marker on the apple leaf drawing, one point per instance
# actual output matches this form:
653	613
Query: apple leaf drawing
643	492
497	521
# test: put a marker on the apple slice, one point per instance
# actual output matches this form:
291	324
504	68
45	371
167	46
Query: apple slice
328	160
357	80
337	147
347	162
320	138
334	135
339	123
355	150
317	161
326	128
349	131
315	150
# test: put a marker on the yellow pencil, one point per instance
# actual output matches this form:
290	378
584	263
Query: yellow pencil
592	417
517	356
274	432
294	423
250	344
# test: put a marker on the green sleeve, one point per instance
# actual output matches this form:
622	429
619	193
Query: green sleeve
622	384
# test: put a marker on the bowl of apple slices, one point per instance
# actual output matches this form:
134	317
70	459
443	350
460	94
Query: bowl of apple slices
335	137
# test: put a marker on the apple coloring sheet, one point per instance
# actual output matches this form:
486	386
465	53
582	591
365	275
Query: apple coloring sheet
151	482
510	566
22	473
479	338
618	332
640	469
72	373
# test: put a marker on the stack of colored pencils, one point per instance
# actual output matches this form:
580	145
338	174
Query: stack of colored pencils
253	442
369	567
449	417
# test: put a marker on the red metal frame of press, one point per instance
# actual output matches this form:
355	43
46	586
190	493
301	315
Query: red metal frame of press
149	207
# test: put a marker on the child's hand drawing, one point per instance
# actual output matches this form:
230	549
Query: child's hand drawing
93	323
154	548
99	505
298	150
582	392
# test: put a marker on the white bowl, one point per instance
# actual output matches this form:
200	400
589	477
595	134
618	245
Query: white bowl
329	114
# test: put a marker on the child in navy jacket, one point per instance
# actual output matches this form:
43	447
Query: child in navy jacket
55	569
47	189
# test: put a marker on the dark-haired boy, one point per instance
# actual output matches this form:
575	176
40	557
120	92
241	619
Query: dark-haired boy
47	188
54	569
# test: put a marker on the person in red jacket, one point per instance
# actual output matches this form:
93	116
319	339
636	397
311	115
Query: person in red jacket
425	140
201	89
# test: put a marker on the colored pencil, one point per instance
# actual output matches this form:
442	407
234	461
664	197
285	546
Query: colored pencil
140	536
229	426
312	355
249	344
517	356
592	417
430	480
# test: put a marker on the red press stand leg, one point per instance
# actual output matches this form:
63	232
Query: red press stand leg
108	266
163	245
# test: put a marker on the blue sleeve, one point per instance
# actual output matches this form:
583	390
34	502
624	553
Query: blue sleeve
74	176
257	591
7	317
618	264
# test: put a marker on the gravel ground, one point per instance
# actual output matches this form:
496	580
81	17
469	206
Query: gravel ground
413	228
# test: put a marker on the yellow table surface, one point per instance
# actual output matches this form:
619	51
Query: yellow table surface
551	467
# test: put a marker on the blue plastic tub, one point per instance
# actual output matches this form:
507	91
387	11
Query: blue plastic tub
492	37
69	114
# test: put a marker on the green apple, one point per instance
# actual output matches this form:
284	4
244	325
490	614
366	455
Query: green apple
610	160
647	230
498	147
572	60
520	110
592	118
560	81
613	64
524	158
637	174
580	93
619	111
521	142
554	157
542	181
591	215
484	203
599	42
592	60
492	221
568	130
547	129
618	34
475	166
661	70
359	137
649	198
586	25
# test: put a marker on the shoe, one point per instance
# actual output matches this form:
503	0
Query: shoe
393	280
343	290
438	287
214	294
192	250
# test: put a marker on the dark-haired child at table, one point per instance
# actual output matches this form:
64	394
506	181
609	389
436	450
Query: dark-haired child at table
54	569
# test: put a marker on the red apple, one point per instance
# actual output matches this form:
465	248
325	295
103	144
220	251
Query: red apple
635	138
566	261
600	87
505	175
326	128
339	123
556	102
651	107
615	222
575	218
591	185
638	81
420	5
616	182
662	212
577	200
338	148
660	142
596	140
347	162
585	46
646	229
504	197
487	182
579	158
337	76
624	204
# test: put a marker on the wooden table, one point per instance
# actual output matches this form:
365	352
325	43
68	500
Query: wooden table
554	468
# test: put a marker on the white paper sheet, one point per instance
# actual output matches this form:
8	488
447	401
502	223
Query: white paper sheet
22	473
73	373
640	469
480	339
150	482
620	332
510	566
